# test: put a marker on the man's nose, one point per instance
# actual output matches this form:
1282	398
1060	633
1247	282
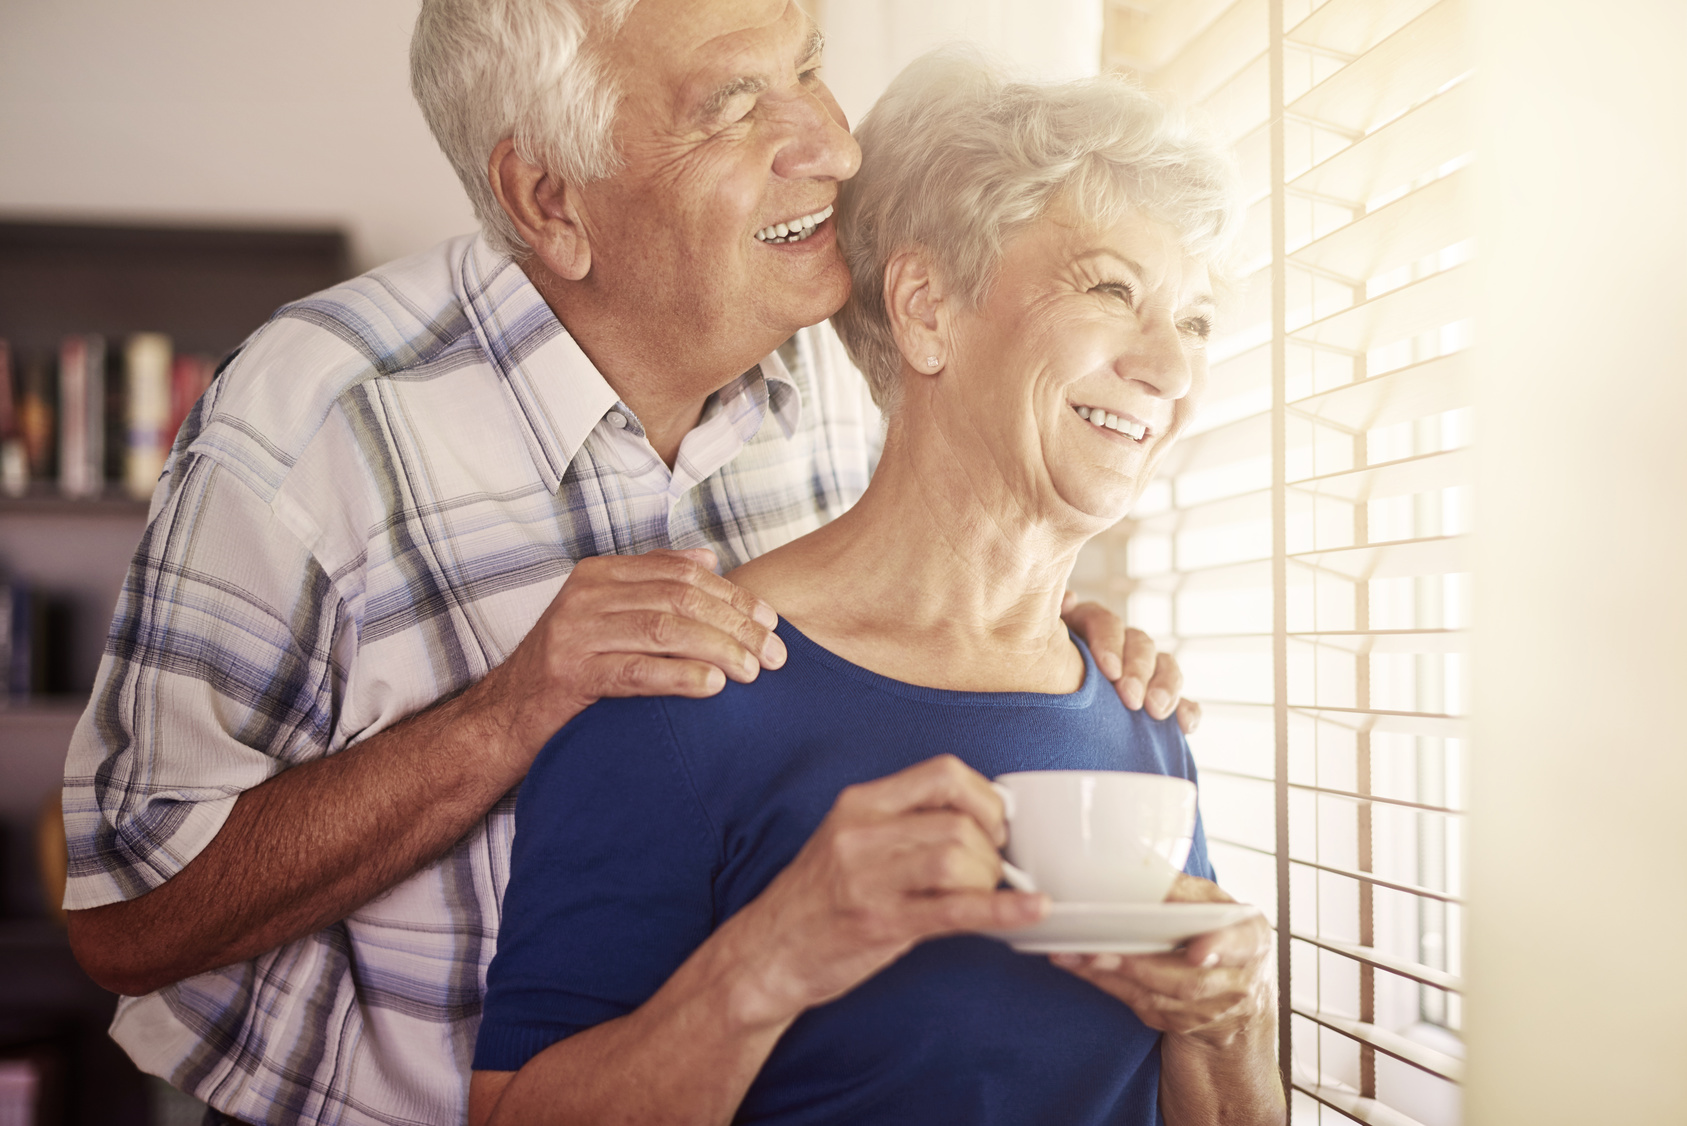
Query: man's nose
819	146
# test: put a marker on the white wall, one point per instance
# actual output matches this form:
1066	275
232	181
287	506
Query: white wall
223	110
300	112
1578	881
869	41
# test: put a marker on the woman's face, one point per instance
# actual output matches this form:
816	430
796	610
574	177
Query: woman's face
1081	321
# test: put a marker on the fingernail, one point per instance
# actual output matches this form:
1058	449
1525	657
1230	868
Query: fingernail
1133	693
1106	963
1159	702
773	652
1069	961
1111	665
764	615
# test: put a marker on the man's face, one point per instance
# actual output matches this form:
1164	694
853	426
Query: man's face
725	130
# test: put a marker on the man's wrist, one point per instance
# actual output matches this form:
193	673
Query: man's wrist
505	724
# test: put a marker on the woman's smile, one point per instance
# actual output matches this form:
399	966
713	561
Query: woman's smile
1124	426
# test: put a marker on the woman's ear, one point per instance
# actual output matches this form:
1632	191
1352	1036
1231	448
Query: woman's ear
918	313
544	209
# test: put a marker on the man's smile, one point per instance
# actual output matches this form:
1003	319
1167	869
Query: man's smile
794	230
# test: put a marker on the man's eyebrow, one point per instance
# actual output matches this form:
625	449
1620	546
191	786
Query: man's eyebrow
812	46
715	102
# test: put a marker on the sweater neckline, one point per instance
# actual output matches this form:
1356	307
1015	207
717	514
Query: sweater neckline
798	642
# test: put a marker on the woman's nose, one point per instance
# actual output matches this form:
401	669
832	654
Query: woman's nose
1159	358
819	146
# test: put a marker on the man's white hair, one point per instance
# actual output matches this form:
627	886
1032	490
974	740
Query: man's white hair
957	159
531	70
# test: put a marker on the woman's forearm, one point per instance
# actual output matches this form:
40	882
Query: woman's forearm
686	1056
1235	1083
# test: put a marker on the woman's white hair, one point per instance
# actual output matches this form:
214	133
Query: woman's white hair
956	159
484	70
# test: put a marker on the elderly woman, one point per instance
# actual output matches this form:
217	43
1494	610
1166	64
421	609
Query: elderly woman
755	907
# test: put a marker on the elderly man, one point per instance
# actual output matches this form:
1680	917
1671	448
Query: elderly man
346	631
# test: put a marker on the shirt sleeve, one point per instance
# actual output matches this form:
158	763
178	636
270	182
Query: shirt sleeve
218	673
611	882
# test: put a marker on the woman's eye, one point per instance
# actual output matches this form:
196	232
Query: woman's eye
1121	290
1201	327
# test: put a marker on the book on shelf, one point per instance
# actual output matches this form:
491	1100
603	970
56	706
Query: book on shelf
34	643
82	415
94	418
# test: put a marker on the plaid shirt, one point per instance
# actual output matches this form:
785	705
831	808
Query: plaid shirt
367	512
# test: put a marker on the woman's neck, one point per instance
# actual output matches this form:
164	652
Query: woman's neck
936	577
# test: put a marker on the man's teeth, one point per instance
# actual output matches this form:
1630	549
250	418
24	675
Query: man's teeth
1112	422
796	229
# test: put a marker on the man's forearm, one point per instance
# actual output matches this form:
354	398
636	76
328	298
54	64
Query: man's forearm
1233	1084
309	846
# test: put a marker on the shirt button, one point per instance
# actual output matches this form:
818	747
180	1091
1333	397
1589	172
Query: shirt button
618	420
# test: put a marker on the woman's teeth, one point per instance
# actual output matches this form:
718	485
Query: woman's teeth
1112	422
796	230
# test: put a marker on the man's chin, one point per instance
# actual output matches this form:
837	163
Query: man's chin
813	300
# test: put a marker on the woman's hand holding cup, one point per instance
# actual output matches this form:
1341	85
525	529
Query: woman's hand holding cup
1213	988
907	857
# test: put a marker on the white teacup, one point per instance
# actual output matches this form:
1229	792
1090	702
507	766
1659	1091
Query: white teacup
1098	836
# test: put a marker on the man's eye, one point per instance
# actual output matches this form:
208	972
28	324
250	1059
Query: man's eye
810	75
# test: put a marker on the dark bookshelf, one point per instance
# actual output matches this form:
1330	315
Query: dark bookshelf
208	287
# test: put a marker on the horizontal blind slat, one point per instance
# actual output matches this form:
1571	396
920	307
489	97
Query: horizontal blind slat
1417	224
1393	478
1399	152
1378	881
1218	54
1351	641
1250	506
1416	307
1352	27
1390	1043
1431	555
1398	73
1375	799
1429	975
1144	35
1234	441
1356	1107
1406	393
1377	720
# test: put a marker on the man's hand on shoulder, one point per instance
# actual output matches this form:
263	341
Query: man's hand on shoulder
658	624
1143	676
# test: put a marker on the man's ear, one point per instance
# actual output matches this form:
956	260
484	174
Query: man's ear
918	313
544	209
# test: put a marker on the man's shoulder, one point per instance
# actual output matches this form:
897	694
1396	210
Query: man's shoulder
401	324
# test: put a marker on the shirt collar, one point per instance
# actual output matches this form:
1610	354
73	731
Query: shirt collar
558	393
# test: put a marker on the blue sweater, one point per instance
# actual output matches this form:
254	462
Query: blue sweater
646	823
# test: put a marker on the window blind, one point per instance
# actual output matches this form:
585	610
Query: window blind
1303	551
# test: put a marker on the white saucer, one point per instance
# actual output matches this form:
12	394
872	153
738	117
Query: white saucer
1121	928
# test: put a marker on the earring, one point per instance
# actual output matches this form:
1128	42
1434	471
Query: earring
931	361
